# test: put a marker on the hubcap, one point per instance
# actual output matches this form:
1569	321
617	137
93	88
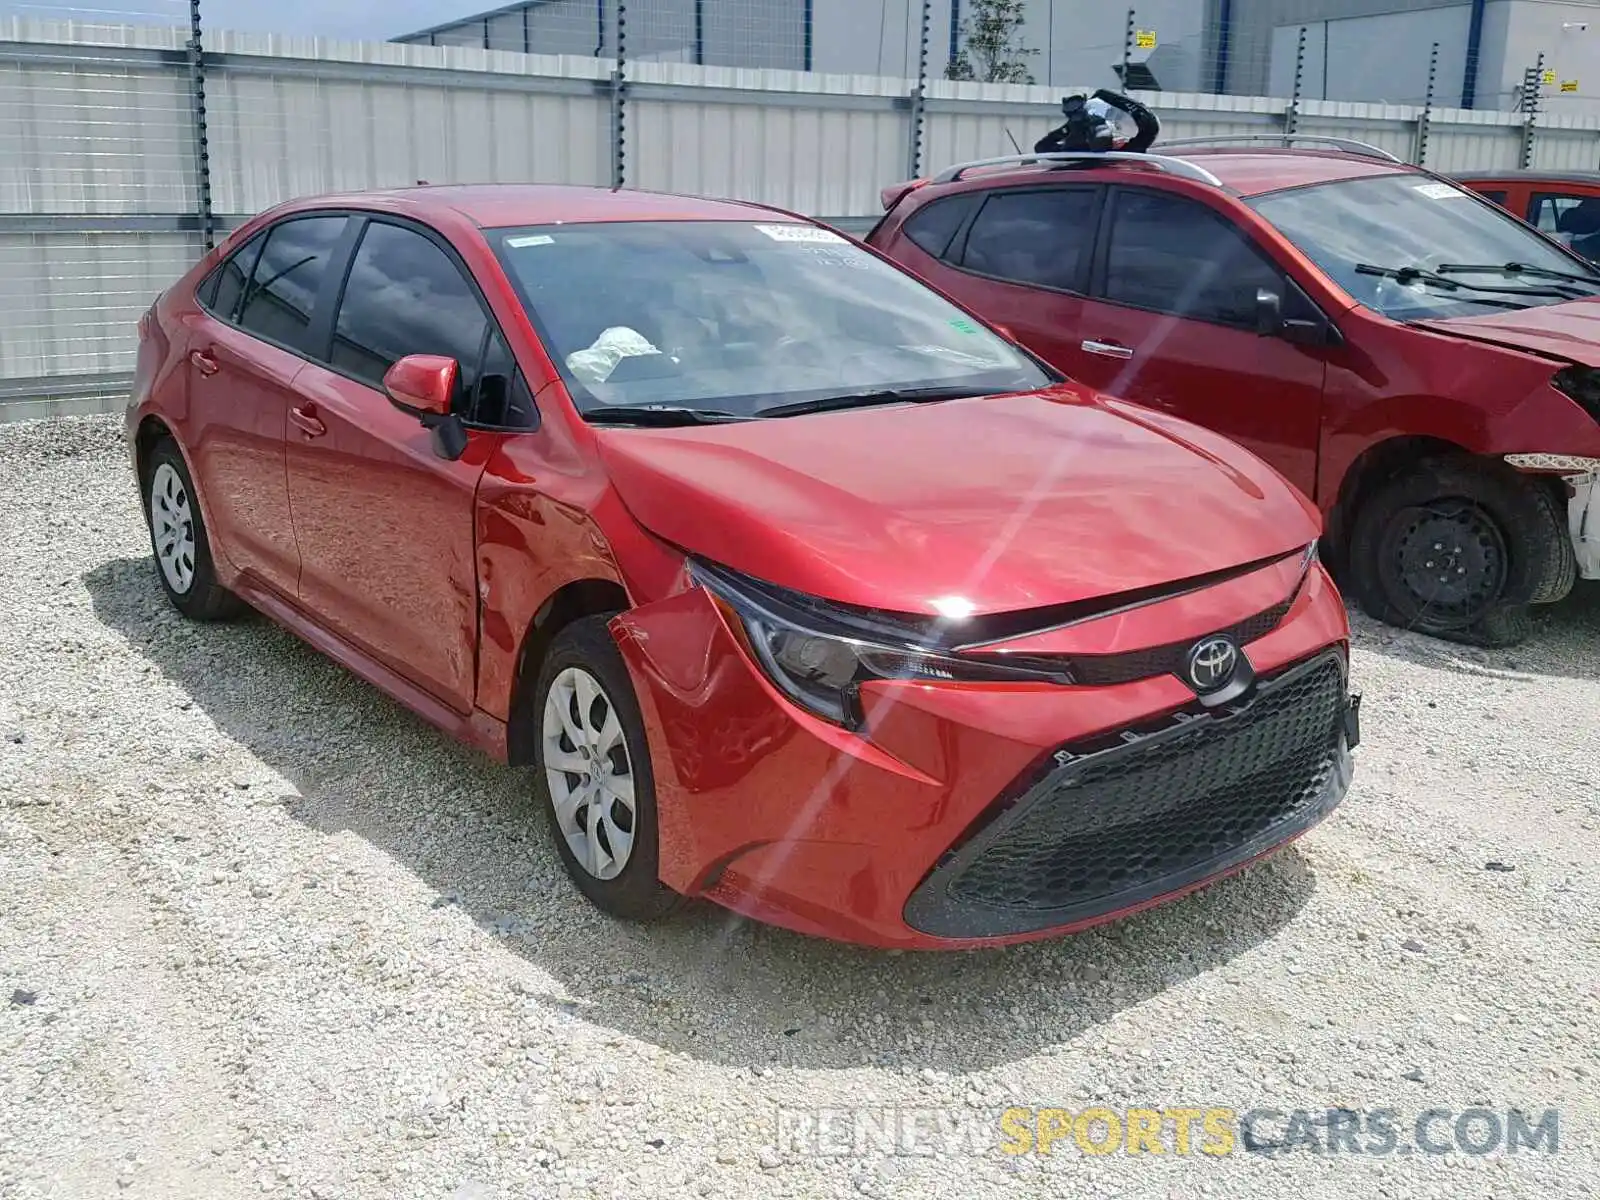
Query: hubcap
590	775
172	528
1452	561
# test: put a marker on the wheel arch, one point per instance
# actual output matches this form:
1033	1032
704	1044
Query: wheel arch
572	601
152	430
1374	466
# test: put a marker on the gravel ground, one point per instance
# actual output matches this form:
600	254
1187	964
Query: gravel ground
263	932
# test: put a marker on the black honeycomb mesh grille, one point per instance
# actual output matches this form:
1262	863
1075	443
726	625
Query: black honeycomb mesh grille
1115	827
1105	670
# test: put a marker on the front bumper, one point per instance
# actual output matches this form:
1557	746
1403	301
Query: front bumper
793	821
1583	514
1150	812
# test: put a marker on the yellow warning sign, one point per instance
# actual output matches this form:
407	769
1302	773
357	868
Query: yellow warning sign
1569	85
1144	39
1547	78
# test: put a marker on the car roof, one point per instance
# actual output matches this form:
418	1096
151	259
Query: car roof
497	205
1243	172
1530	174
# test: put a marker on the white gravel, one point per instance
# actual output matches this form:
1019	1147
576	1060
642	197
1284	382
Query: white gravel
263	932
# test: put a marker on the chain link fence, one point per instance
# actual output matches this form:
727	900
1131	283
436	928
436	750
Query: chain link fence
135	133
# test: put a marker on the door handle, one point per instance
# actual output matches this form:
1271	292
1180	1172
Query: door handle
204	363
1107	349
306	420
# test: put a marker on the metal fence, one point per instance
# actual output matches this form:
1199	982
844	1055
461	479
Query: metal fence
125	150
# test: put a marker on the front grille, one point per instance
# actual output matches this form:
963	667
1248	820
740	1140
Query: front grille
1111	828
1104	670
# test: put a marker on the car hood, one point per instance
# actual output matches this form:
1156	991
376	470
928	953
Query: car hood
1569	331
992	504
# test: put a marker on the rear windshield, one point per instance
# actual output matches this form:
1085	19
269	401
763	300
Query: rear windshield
1365	233
738	317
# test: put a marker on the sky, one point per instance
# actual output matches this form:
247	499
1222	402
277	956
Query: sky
369	19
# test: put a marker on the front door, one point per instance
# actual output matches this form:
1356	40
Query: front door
1170	323
385	526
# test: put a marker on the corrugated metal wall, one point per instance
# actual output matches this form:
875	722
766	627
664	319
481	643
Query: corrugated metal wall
98	180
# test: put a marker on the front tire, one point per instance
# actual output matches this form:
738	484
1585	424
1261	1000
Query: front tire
592	774
1458	549
183	559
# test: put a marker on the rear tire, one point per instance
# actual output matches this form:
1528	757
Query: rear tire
1458	548
592	774
183	561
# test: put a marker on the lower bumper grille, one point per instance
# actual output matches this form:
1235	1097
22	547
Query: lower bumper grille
1112	828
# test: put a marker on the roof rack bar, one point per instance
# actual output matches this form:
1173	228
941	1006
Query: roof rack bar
1349	145
1162	162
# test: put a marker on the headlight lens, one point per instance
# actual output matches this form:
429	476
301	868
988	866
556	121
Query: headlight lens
820	665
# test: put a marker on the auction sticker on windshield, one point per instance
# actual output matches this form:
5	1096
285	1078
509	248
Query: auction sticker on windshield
801	233
1440	191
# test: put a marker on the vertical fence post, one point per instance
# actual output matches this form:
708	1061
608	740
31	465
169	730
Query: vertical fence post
1291	116
202	141
619	102
1531	83
918	95
1425	119
1127	47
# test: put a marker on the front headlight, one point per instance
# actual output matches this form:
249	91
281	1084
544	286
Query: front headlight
818	653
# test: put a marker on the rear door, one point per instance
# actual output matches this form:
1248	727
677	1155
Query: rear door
385	526
1170	323
1018	256
243	361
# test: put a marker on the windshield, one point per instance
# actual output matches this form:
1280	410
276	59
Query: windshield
732	318
1395	222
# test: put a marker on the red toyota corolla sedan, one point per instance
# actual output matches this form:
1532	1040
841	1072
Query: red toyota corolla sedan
800	588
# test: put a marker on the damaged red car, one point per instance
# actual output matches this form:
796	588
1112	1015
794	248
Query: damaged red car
799	588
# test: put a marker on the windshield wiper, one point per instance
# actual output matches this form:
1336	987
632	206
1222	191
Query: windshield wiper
916	395
663	415
1516	268
1413	274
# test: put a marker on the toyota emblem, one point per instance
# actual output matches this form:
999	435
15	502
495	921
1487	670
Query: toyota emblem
1212	664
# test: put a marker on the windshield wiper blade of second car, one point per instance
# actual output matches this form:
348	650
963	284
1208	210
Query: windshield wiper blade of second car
916	395
1516	268
665	415
1411	274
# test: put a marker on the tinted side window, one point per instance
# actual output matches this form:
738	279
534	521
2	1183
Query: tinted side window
1034	237
933	225
405	296
1499	197
221	291
289	273
1175	256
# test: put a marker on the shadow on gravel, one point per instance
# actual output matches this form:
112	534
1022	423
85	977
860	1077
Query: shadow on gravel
703	983
1565	642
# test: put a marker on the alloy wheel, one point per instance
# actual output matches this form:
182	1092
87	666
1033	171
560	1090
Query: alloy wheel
589	773
172	524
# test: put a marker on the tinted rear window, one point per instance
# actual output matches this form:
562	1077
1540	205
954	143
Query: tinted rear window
1040	238
287	278
933	225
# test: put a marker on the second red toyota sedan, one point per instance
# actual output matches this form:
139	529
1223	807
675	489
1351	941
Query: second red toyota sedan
798	587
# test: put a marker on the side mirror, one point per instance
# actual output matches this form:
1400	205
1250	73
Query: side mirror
1269	313
424	385
1270	322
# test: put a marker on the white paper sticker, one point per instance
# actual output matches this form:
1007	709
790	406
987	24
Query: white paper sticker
802	233
1439	191
536	239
